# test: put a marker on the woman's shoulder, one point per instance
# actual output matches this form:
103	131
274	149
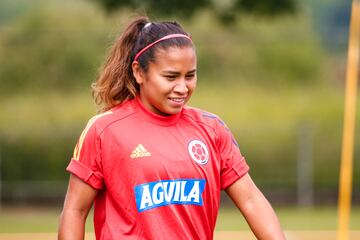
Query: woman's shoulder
202	116
117	113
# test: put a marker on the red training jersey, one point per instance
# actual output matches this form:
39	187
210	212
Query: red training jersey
158	177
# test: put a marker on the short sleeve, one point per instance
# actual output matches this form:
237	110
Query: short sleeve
233	164
86	161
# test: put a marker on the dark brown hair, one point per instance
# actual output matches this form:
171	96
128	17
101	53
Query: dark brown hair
116	82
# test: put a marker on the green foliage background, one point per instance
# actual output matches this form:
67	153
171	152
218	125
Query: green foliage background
268	78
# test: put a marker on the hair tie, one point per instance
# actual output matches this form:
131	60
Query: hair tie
147	25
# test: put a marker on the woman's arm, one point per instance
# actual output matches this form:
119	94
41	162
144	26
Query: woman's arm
78	201
256	209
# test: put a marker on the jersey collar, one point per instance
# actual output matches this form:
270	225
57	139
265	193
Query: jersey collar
155	118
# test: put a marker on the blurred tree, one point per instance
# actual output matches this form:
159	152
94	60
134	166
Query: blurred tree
225	10
331	20
42	50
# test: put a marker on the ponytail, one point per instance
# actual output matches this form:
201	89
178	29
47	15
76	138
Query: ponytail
116	82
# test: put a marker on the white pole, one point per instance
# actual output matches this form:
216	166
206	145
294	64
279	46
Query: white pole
305	192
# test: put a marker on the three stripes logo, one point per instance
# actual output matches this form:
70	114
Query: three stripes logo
140	151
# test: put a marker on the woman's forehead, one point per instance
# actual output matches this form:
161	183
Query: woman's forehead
175	56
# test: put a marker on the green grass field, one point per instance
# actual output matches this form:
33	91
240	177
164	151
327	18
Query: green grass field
41	220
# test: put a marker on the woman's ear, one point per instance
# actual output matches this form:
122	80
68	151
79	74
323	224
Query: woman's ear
137	72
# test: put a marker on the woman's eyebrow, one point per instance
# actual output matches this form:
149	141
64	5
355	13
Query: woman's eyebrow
170	72
176	72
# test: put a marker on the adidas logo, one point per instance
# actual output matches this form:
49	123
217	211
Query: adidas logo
140	151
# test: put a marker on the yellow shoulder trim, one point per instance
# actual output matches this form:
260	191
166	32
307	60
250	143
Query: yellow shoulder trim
79	144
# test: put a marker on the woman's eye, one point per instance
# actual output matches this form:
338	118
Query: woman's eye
190	76
170	77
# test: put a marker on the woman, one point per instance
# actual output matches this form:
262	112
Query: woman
152	166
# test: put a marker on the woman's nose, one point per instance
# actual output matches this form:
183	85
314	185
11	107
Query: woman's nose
181	87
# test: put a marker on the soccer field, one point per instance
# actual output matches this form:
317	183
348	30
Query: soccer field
219	235
304	224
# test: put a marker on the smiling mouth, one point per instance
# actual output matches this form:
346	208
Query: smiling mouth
178	100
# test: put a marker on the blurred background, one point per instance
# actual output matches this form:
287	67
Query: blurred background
273	70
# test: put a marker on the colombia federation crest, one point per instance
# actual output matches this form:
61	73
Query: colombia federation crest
198	151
